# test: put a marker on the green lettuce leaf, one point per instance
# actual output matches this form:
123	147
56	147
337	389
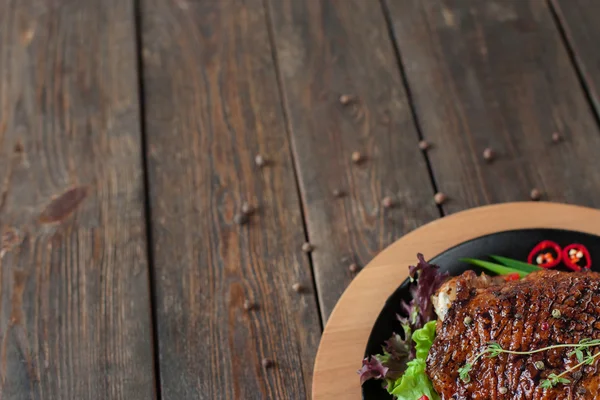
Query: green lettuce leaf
424	339
415	383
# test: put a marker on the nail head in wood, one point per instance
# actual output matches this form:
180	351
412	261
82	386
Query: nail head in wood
356	157
248	305
440	198
535	194
346	99
240	219
337	193
247	209
488	154
19	147
267	363
424	145
296	287
387	202
260	161
556	137
307	247
353	267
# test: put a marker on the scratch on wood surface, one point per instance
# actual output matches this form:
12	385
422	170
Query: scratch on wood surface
16	315
10	239
6	186
27	36
448	17
183	4
63	205
19	152
501	12
17	321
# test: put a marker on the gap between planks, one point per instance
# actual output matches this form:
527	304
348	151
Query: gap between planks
139	42
409	97
293	154
561	27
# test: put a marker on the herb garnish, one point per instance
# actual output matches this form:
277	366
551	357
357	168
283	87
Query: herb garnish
581	351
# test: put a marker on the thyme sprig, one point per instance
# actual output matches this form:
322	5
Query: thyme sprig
581	351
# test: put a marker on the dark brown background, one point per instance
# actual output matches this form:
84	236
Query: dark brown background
128	133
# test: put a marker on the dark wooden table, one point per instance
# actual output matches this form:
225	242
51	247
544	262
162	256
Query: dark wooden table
128	136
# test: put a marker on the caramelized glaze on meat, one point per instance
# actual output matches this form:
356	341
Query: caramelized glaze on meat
518	316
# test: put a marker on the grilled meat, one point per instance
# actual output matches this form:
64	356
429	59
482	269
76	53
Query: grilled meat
545	308
446	294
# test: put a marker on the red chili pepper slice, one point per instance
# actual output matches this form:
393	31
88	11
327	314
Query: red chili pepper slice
424	397
512	277
577	257
547	254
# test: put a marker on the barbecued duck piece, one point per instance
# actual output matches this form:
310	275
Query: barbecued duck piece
545	308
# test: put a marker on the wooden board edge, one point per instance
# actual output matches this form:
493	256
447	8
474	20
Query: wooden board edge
345	336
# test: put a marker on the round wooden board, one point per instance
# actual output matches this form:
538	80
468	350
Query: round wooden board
345	337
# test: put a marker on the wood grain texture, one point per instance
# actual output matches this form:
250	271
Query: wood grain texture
496	74
212	105
75	317
346	334
579	20
326	49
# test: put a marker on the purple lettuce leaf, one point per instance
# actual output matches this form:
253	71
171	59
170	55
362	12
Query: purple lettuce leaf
397	347
428	280
372	368
413	315
383	366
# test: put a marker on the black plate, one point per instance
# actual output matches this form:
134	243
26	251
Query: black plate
514	244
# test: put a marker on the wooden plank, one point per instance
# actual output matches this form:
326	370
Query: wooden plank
75	317
212	105
326	49
580	22
496	74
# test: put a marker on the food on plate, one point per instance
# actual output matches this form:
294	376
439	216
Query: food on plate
577	257
446	294
534	335
489	343
547	254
